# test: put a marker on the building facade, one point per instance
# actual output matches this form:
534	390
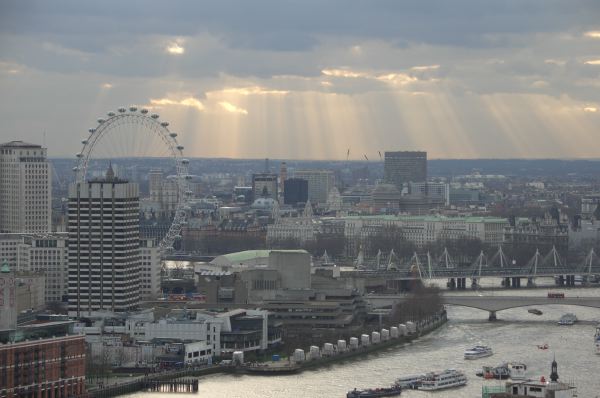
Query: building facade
295	191
301	229
264	185
8	301
52	367
424	229
39	253
151	267
25	188
403	167
437	192
320	182
104	246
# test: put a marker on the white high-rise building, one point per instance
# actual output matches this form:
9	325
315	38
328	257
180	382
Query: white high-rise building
104	246
25	188
320	183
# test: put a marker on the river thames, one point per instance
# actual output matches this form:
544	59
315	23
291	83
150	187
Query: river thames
514	337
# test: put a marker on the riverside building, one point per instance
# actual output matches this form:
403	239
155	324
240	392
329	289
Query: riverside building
104	246
25	188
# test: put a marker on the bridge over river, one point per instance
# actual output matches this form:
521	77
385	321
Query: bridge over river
491	303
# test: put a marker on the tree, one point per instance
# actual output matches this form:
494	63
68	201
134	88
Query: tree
334	244
422	302
389	238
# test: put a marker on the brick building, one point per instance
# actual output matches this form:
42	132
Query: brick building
42	367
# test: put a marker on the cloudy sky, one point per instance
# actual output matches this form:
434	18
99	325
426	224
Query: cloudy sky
310	79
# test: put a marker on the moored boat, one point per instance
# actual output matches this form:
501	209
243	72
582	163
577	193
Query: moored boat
411	381
567	319
392	391
535	311
514	371
440	380
479	351
517	370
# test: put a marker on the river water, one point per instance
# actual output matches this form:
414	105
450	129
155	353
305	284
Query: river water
514	337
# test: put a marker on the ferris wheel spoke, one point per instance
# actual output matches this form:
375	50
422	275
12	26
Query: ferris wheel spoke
125	134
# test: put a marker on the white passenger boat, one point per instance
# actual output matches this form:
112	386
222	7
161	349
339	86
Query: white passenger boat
567	319
479	351
517	370
440	380
411	381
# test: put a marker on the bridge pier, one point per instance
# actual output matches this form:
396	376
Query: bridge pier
570	280
560	280
516	283
474	283
451	284
506	282
461	283
530	282
492	316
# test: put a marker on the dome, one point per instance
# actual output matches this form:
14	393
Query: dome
263	203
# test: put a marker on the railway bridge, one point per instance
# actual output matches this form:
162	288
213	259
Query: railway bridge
492	304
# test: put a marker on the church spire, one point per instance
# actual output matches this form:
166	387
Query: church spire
110	173
554	374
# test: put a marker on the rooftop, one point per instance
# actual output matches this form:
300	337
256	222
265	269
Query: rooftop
429	218
247	255
19	144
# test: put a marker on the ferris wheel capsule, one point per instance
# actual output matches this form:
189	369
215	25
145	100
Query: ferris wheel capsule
100	121
180	147
155	116
177	237
91	131
165	124
79	155
132	109
111	114
189	177
144	111
173	135
189	193
185	161
75	168
84	142
122	110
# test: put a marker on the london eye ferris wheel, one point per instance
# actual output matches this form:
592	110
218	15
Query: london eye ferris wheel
137	133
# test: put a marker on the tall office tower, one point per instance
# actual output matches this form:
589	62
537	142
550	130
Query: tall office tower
155	181
25	188
104	246
320	182
264	185
282	176
295	191
404	167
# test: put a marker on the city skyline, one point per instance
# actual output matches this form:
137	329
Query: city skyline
465	80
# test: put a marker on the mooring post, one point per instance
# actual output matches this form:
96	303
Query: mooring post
492	316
